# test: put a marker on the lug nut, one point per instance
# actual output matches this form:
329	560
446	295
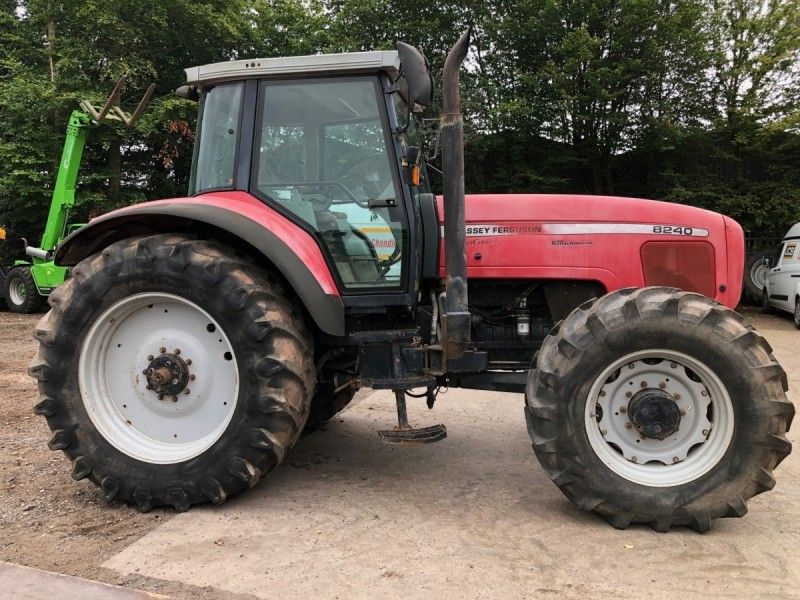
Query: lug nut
144	372
643	384
628	394
177	351
174	398
634	459
149	357
623	410
631	366
603	431
675	459
192	378
628	425
161	396
162	350
602	393
676	396
188	361
148	387
662	385
704	393
186	391
706	432
683	413
673	365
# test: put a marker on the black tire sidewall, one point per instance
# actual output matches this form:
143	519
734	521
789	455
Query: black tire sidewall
32	301
95	295
750	423
752	291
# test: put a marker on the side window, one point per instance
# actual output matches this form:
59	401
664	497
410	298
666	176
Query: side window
217	138
789	252
322	155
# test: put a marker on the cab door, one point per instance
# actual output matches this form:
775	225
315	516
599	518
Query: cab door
324	157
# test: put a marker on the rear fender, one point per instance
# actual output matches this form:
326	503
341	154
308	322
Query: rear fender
236	218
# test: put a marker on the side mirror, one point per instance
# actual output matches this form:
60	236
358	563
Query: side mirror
188	91
414	68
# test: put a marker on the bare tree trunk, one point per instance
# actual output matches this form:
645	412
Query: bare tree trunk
115	166
51	42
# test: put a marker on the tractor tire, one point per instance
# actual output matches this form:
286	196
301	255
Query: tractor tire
226	330
20	293
673	377
755	273
325	405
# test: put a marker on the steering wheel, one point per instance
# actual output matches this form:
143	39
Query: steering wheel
371	188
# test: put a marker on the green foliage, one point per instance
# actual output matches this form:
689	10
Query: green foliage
694	101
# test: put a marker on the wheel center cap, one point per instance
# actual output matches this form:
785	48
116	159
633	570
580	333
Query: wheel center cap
167	374
654	414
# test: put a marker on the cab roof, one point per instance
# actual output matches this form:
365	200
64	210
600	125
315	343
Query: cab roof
387	61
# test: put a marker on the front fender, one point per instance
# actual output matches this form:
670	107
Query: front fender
293	251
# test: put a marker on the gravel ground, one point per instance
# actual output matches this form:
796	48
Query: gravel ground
49	521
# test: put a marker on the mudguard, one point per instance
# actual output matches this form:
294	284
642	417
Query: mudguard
292	250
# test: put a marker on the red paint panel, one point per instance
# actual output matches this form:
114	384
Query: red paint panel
297	239
589	237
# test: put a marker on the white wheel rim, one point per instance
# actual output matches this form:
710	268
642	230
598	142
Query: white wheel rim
702	437
122	344
17	291
758	274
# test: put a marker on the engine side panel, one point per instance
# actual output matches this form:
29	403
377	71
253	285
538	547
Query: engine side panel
597	238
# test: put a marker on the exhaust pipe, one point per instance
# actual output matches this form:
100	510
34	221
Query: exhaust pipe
456	316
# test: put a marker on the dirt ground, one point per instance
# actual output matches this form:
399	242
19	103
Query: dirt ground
49	521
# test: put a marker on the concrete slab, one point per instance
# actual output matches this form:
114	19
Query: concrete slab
471	516
24	583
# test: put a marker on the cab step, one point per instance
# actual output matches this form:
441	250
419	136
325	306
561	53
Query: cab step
404	433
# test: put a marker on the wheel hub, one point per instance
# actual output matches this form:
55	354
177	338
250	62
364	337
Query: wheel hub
167	374
654	414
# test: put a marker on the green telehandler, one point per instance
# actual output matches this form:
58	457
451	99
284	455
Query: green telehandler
27	283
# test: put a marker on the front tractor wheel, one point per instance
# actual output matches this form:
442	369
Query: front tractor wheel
658	406
172	372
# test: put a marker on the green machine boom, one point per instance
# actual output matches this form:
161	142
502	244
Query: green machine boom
27	283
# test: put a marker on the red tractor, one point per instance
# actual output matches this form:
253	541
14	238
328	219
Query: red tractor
198	336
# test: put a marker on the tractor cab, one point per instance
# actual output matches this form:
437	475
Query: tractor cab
322	140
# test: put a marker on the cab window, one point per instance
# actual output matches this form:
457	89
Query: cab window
323	156
217	138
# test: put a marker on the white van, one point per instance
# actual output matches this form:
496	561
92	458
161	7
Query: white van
782	289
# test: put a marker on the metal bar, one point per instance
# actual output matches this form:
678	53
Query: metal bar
142	105
112	99
402	414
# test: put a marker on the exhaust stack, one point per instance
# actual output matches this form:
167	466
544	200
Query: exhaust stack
455	316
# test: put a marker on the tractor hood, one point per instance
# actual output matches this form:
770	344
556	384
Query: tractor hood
606	239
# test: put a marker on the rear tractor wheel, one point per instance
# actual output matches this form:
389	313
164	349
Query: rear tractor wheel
658	406
172	372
